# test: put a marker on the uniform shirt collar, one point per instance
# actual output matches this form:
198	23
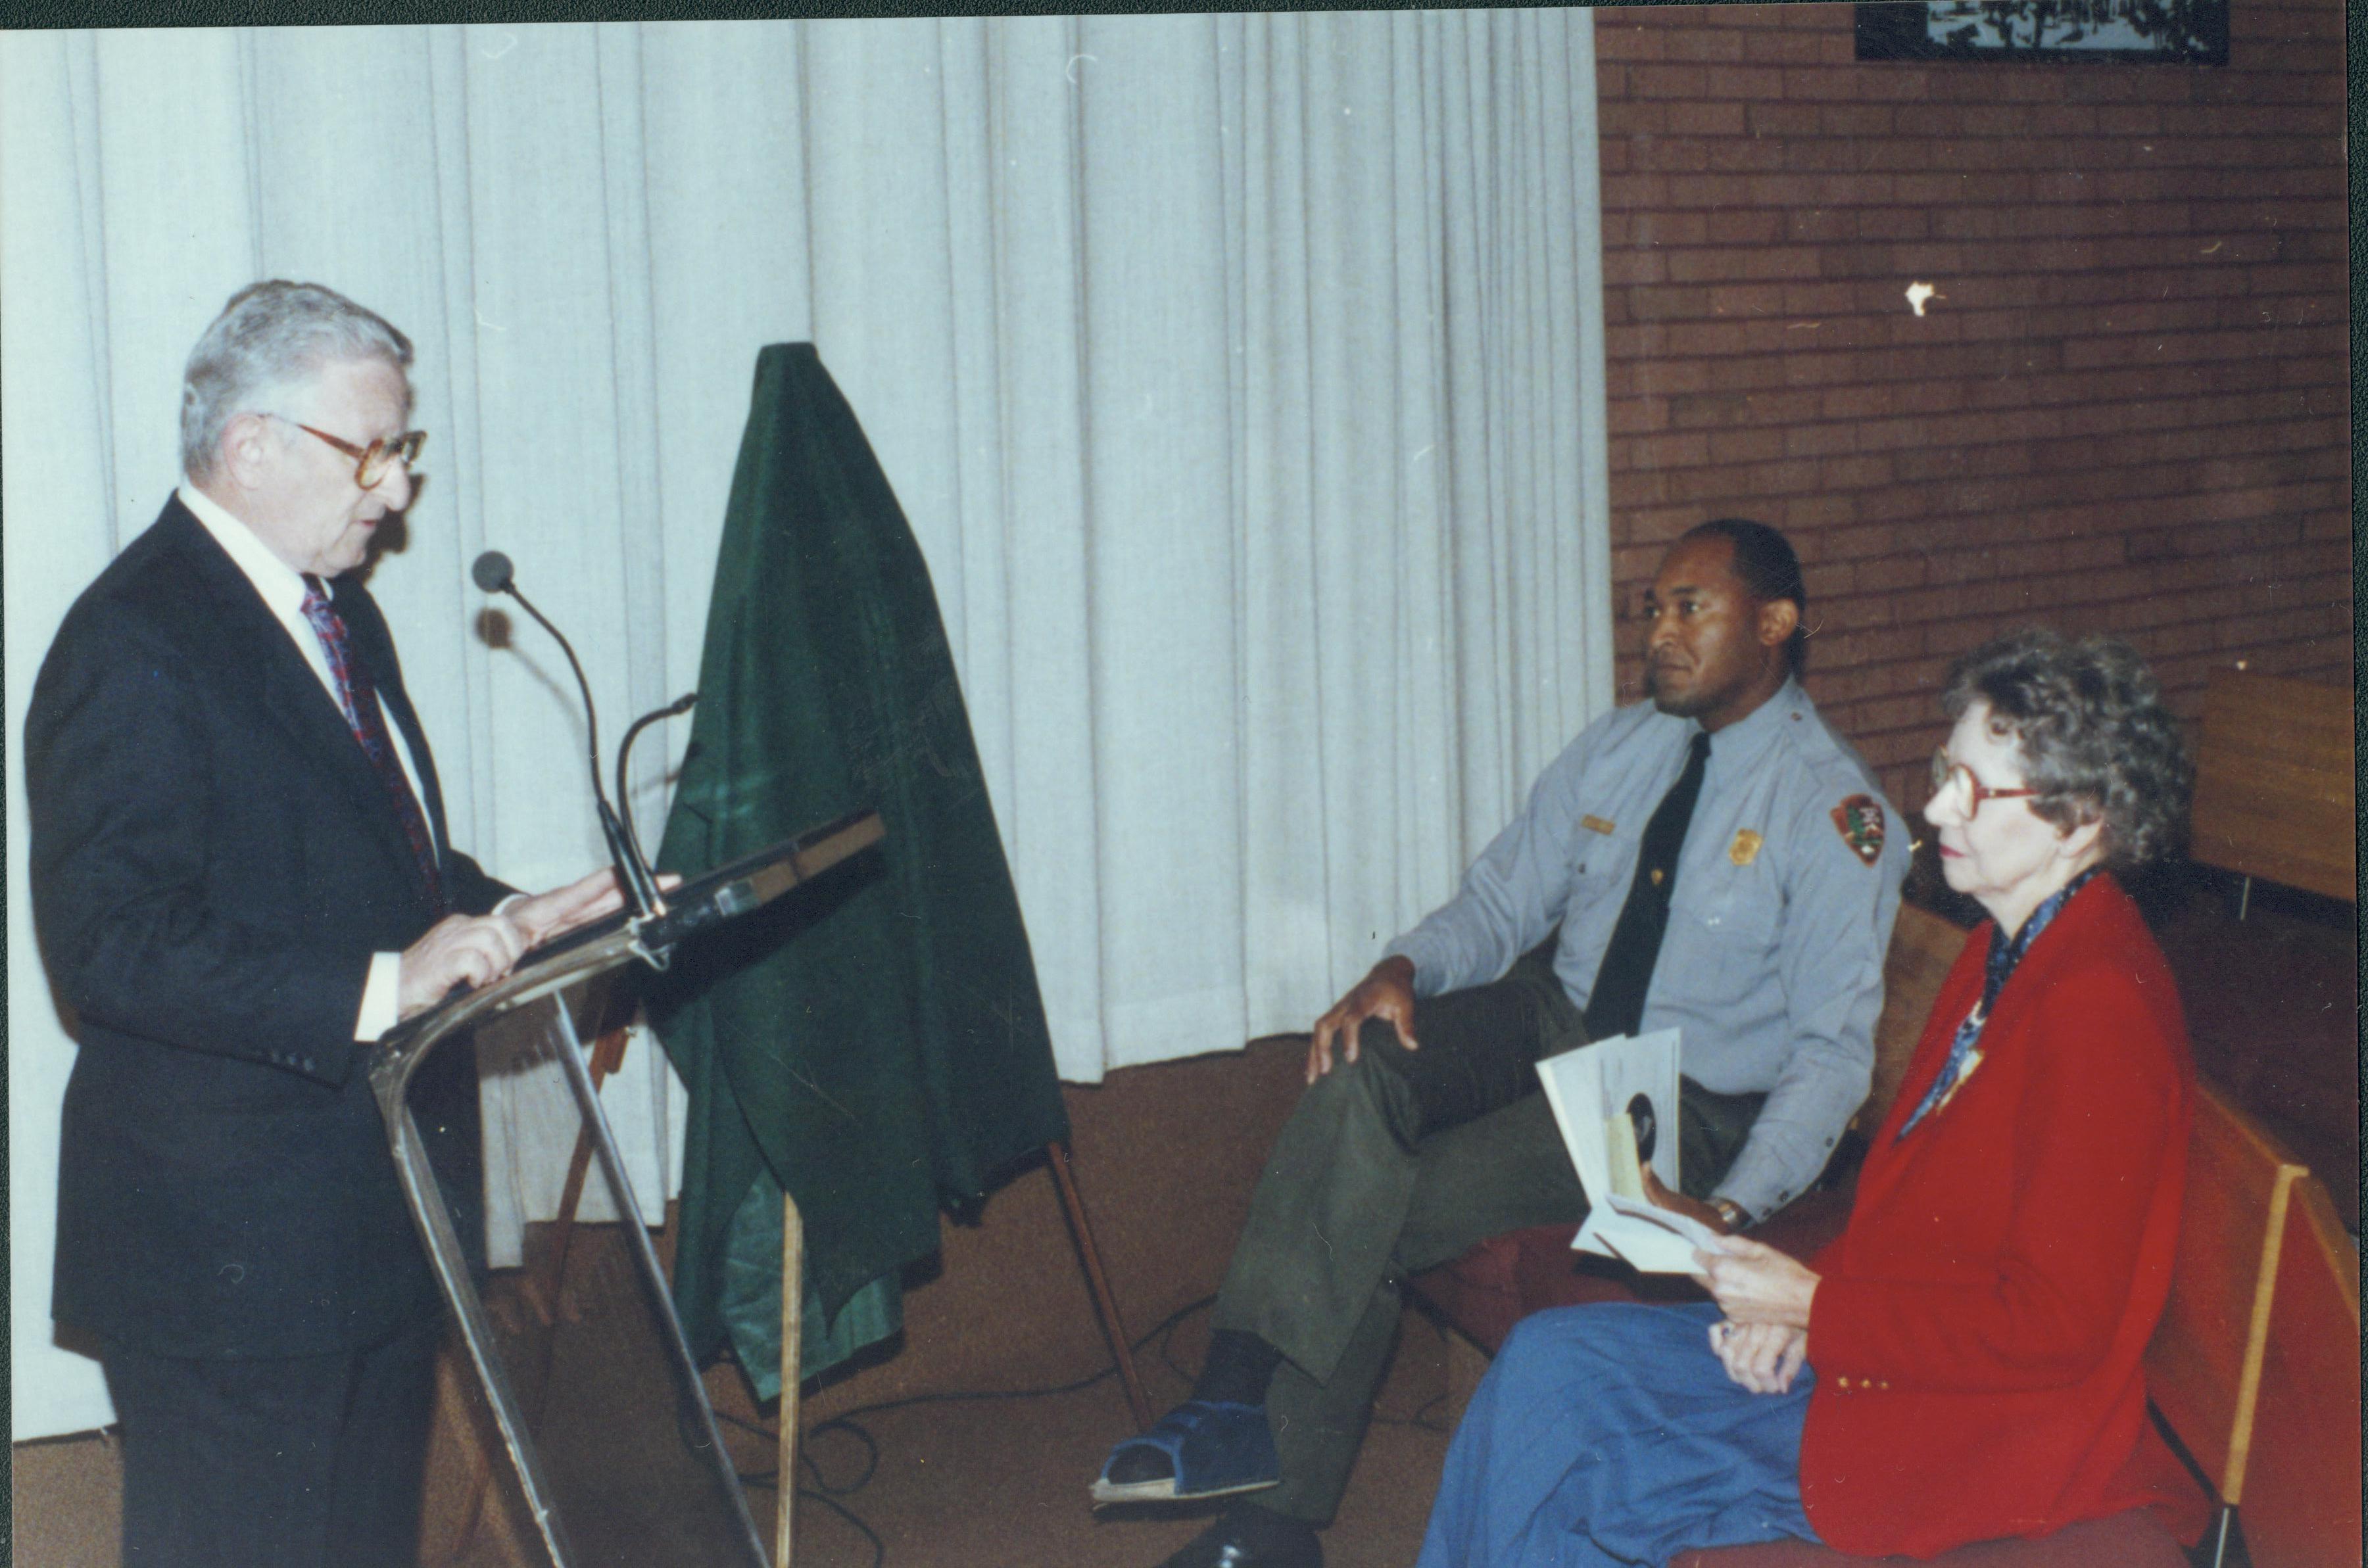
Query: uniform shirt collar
281	585
1748	735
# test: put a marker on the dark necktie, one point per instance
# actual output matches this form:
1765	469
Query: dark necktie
358	695
1616	1006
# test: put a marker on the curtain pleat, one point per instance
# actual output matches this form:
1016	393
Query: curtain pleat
1241	378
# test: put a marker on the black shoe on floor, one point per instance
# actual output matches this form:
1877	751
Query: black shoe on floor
1251	1538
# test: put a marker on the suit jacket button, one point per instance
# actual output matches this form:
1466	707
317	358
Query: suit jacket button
1842	1382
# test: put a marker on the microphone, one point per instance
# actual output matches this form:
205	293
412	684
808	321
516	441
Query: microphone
679	706
493	573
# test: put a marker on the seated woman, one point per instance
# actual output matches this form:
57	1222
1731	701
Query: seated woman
1962	1362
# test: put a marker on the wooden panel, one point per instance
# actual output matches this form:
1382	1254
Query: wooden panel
2275	784
2302	1496
1923	949
2203	1363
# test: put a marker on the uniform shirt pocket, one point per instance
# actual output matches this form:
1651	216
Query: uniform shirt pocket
1601	857
1742	906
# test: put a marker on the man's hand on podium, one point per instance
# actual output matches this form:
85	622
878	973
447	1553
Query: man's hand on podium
540	917
467	950
471	951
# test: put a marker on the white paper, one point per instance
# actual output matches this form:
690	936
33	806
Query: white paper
1574	1091
1634	1077
1588	1086
1649	1239
1643	1068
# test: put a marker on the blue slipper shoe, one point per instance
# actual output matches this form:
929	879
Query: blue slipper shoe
1212	1450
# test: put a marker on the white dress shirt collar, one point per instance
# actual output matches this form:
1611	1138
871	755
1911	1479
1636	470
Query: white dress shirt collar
282	586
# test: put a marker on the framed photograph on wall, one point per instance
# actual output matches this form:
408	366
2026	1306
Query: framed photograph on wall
2183	32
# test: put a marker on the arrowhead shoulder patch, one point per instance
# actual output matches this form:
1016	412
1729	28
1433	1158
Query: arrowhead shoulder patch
1859	820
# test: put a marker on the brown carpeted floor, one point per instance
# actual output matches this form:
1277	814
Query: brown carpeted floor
1166	1156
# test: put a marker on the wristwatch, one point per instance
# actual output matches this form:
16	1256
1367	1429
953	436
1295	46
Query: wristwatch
1732	1212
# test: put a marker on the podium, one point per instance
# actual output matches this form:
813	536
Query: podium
602	1417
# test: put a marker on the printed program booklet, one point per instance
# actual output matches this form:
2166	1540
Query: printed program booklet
1616	1101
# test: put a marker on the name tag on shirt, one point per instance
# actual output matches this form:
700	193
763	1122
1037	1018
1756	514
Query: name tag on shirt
1596	825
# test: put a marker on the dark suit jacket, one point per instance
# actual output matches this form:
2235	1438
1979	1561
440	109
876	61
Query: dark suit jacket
213	864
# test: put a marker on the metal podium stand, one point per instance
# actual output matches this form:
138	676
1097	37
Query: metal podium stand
607	1424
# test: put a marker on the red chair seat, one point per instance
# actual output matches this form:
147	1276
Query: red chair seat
1506	1278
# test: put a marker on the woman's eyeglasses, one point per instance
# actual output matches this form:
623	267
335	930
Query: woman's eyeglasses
1945	773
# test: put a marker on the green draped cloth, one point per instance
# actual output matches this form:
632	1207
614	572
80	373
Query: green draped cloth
873	1042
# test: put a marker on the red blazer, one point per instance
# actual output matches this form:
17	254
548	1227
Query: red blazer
1978	1332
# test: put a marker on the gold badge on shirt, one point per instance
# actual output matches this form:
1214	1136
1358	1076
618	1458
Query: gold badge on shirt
1745	847
1596	825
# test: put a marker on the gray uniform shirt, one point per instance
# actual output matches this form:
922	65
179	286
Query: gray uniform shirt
1772	963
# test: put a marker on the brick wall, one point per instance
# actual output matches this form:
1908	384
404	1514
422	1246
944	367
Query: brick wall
2126	408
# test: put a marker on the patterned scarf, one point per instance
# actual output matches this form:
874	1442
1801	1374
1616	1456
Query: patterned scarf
2005	956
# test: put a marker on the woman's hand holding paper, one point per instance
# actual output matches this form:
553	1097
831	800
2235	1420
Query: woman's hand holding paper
1753	1282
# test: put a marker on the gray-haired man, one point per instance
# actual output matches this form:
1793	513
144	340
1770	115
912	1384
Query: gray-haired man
241	879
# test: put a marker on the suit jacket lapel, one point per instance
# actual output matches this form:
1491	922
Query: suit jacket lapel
291	692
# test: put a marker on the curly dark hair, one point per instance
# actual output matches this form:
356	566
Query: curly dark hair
2095	738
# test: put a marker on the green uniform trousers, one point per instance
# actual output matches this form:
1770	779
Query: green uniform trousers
1396	1163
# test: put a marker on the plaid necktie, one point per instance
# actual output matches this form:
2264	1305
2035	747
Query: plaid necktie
359	696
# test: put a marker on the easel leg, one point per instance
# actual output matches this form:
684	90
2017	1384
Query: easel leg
793	1291
1057	1155
608	1055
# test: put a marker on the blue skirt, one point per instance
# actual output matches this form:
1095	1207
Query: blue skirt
1612	1435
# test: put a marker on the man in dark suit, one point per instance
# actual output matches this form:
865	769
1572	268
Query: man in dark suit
241	879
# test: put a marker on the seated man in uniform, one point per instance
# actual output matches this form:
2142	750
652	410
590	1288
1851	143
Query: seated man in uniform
1714	862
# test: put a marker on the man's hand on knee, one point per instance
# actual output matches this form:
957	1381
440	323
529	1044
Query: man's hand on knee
1386	992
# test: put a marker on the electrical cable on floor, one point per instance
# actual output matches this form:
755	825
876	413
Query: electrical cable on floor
828	1495
1419	1420
879	1546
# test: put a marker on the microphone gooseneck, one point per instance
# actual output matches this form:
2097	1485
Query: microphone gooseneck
493	573
680	705
591	719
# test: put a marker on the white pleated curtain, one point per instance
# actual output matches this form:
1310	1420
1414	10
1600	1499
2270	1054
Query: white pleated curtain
1240	376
